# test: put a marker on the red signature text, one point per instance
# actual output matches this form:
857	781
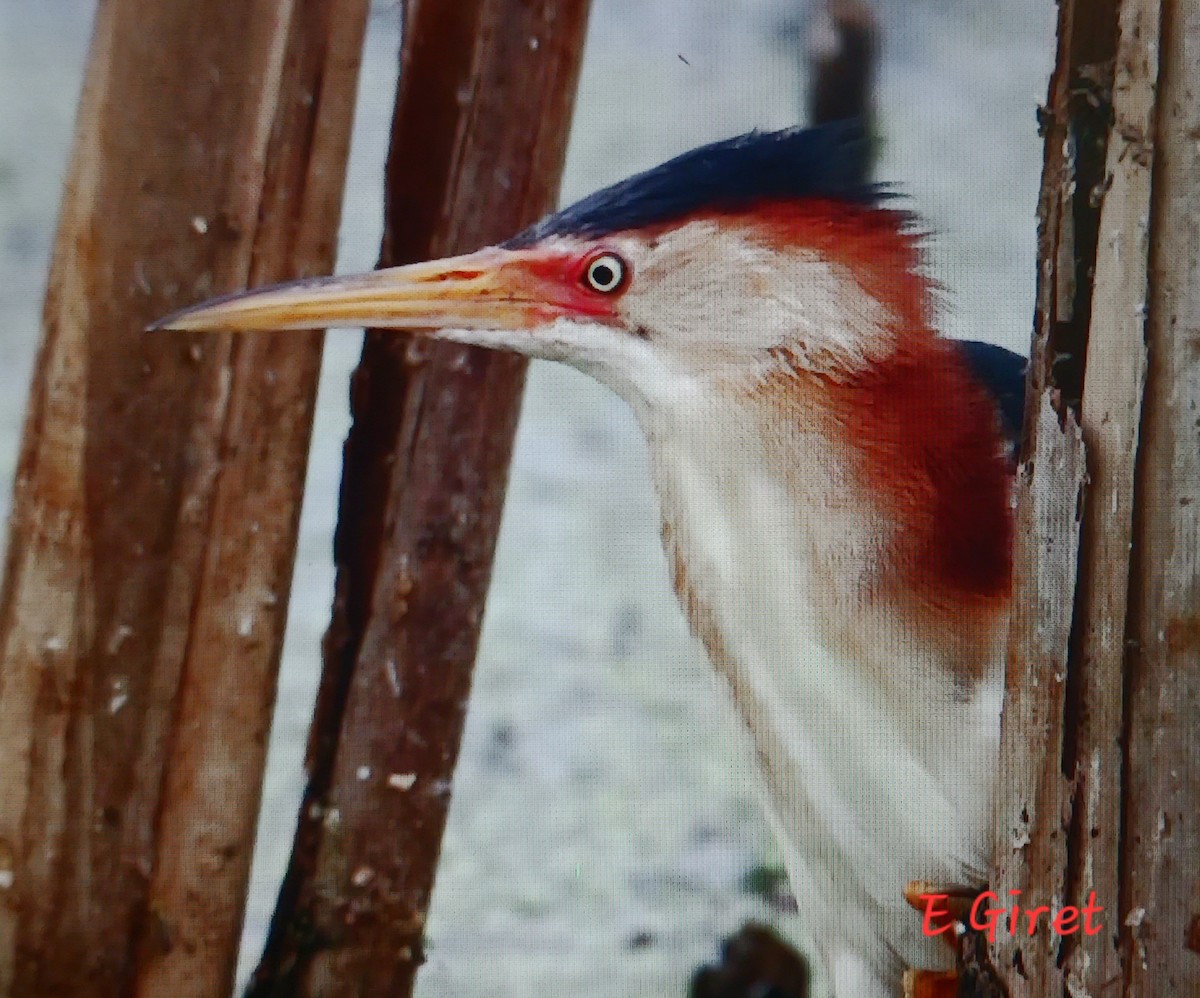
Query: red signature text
1069	919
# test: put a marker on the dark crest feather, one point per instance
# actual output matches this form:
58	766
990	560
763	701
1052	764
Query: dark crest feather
828	162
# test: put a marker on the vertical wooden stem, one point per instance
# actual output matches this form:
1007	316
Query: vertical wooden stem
1160	870
1033	808
1110	415
843	63
158	494
478	142
1100	774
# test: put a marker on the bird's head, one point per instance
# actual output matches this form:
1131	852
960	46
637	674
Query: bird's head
726	262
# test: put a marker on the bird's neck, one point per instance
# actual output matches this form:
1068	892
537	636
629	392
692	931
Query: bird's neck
887	497
764	526
853	654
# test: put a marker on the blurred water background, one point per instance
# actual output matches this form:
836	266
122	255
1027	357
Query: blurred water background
604	833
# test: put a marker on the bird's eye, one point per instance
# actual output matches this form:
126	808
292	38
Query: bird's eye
606	273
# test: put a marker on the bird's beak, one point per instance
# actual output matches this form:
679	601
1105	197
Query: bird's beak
492	289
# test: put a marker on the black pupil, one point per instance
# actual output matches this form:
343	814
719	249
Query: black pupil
604	275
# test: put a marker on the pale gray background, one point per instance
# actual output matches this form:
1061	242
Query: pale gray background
604	791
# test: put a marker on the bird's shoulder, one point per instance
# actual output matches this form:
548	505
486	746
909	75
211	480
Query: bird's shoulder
1001	373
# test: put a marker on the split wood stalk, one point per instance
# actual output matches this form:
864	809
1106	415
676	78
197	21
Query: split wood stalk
1160	861
1100	758
158	493
478	142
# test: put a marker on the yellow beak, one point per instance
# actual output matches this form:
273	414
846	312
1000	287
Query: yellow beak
490	289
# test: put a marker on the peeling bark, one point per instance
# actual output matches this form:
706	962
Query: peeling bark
1030	847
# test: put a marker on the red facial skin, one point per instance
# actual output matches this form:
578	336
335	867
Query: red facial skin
561	280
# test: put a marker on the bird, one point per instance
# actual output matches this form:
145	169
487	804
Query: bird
835	480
